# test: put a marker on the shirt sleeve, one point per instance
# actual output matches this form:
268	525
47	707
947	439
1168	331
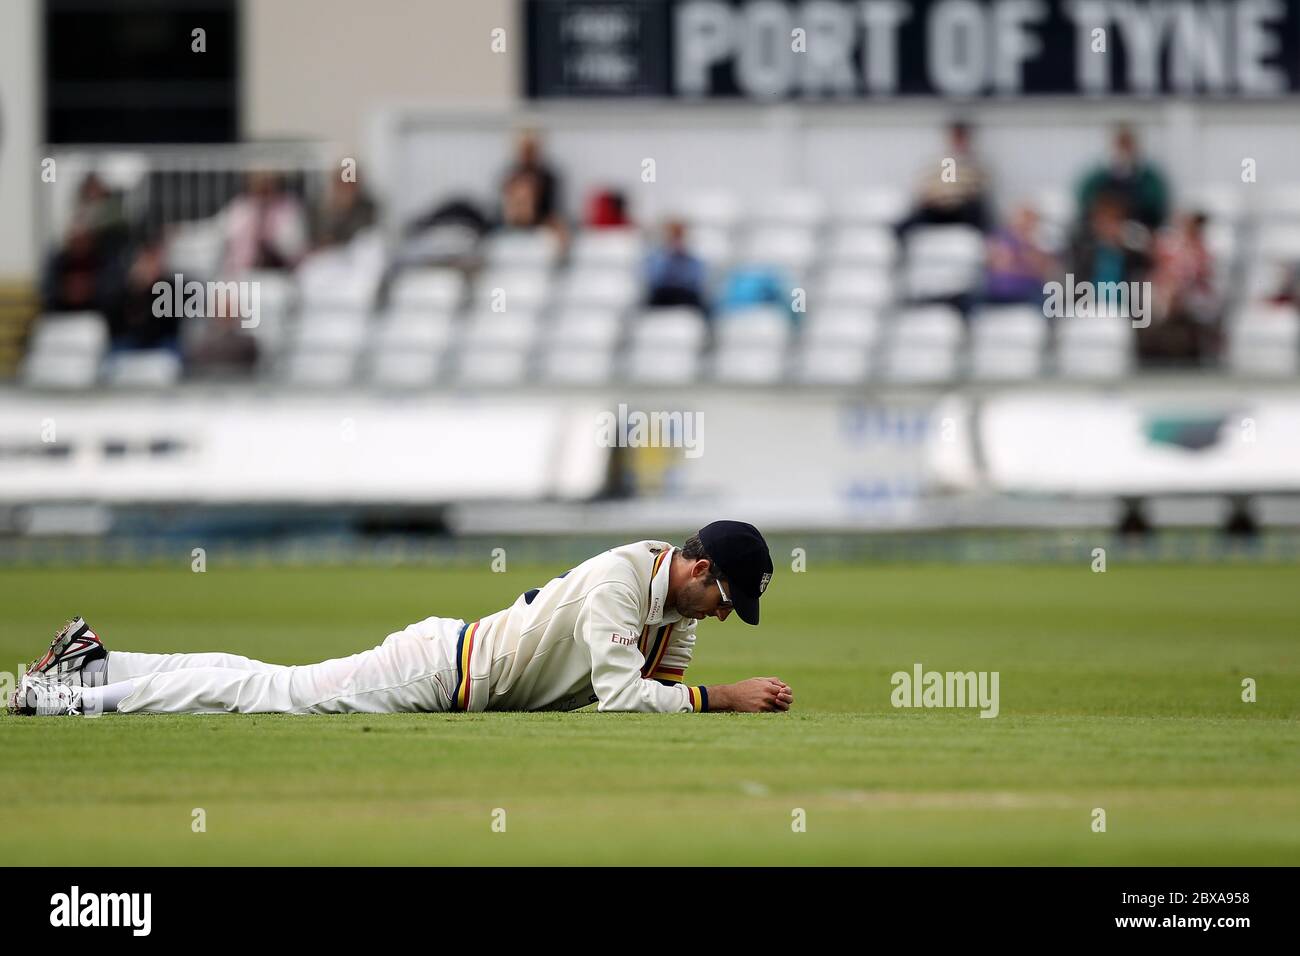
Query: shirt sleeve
676	657
607	631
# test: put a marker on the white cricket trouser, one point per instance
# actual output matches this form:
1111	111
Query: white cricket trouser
412	670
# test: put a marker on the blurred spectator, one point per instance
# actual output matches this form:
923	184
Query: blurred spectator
1110	247
750	285
1187	305
222	349
264	227
100	210
607	209
952	193
674	275
1131	178
132	322
530	190
1018	262
80	274
347	210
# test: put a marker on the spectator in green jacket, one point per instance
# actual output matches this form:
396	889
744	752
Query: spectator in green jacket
1129	177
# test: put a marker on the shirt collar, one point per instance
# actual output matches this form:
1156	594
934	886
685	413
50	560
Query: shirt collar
659	611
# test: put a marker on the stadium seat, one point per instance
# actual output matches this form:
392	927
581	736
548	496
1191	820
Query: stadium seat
601	287
400	329
526	289
567	363
1099	346
752	345
666	345
521	249
508	330
1280	203
883	206
854	286
824	363
495	348
713	245
335	330
65	350
789	207
608	247
786	247
332	279
943	261
320	369
848	327
502	366
924	345
147	368
587	328
710	207
874	246
60	333
1279	242
435	290
1007	342
404	367
1265	341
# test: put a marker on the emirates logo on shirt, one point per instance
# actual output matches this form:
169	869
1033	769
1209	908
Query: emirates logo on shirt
622	639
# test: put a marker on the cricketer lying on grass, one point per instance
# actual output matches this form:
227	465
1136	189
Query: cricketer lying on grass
618	631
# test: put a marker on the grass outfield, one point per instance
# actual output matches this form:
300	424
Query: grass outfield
1119	690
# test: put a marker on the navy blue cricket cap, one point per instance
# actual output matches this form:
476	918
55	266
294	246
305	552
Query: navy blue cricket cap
740	555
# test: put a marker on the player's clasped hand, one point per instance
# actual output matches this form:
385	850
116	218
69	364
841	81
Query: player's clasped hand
759	694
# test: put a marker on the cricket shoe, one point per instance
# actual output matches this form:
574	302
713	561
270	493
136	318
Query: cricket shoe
74	646
41	697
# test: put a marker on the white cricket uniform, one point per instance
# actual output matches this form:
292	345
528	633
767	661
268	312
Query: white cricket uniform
599	633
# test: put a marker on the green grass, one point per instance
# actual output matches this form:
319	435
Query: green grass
1119	690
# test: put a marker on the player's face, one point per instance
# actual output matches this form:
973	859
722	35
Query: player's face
699	600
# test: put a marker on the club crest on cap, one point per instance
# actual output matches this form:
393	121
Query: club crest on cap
762	581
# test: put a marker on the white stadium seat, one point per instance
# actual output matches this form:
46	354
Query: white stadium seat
66	332
437	290
324	369
1265	340
829	364
398	329
1099	346
485	365
678	327
786	247
855	286
404	367
752	345
147	368
790	207
834	327
882	206
521	248
610	288
526	289
710	207
1007	342
590	328
608	247
572	364
924	345
863	246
